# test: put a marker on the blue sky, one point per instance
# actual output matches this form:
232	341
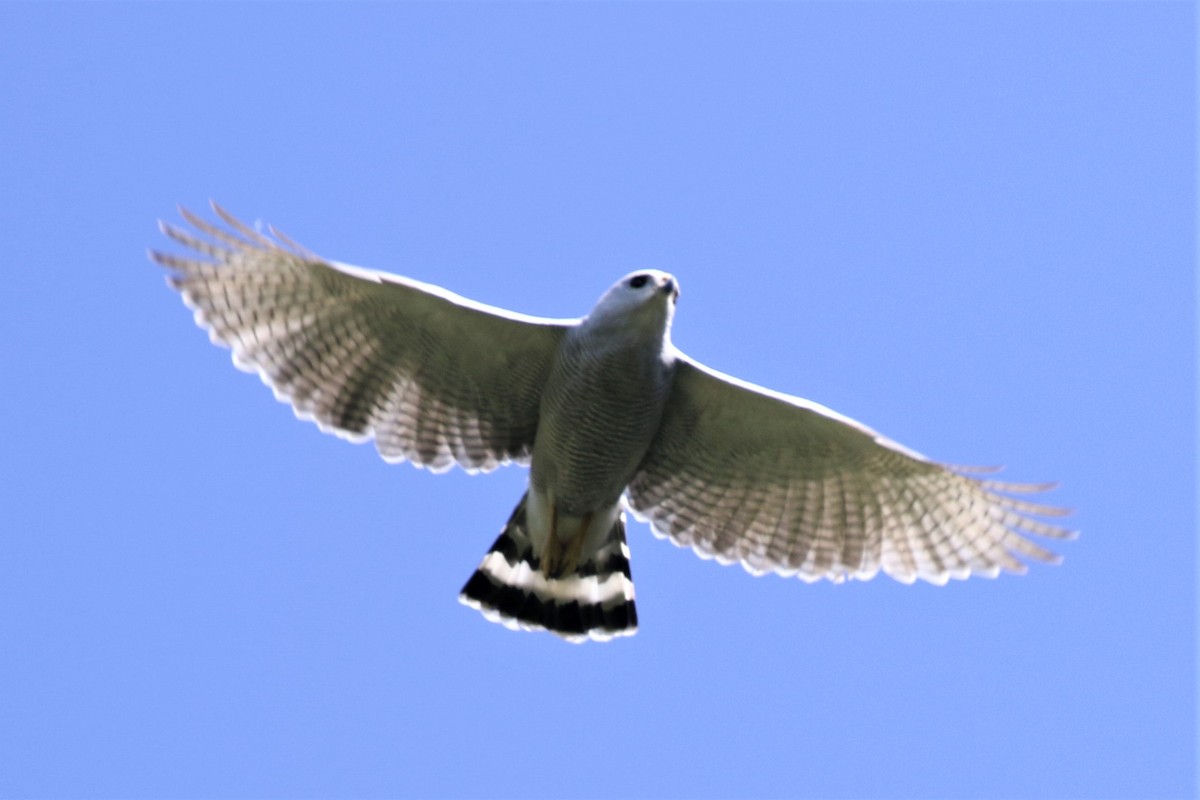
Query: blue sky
970	225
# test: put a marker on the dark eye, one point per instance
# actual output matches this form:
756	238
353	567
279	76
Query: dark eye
638	281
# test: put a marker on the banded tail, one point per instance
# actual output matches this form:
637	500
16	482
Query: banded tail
595	601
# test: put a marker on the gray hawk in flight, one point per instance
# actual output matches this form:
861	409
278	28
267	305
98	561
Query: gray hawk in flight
608	415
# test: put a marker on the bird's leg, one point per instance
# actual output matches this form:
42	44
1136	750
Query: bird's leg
552	555
575	546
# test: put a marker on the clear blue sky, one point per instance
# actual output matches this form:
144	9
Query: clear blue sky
969	225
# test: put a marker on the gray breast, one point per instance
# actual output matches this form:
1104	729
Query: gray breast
599	413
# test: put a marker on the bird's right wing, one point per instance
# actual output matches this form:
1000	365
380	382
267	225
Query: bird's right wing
782	484
434	378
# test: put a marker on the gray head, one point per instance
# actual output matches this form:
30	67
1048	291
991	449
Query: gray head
643	299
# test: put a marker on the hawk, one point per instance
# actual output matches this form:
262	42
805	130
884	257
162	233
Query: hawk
608	415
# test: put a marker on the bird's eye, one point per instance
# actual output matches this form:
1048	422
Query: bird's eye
638	281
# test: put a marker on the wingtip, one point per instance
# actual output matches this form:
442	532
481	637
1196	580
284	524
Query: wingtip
1009	487
221	212
160	258
295	246
170	230
968	469
191	216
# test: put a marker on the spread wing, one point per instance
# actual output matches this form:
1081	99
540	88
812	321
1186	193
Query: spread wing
433	377
785	485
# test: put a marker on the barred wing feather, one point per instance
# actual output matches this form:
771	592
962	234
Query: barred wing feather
781	484
432	377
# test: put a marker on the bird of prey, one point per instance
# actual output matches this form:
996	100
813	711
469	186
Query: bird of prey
609	416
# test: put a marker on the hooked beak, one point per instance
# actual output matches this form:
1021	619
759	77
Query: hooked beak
670	287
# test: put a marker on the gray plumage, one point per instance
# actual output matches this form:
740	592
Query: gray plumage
600	409
605	411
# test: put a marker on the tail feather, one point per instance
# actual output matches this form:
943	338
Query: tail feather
596	601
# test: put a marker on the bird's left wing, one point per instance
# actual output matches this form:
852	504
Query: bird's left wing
434	378
784	485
